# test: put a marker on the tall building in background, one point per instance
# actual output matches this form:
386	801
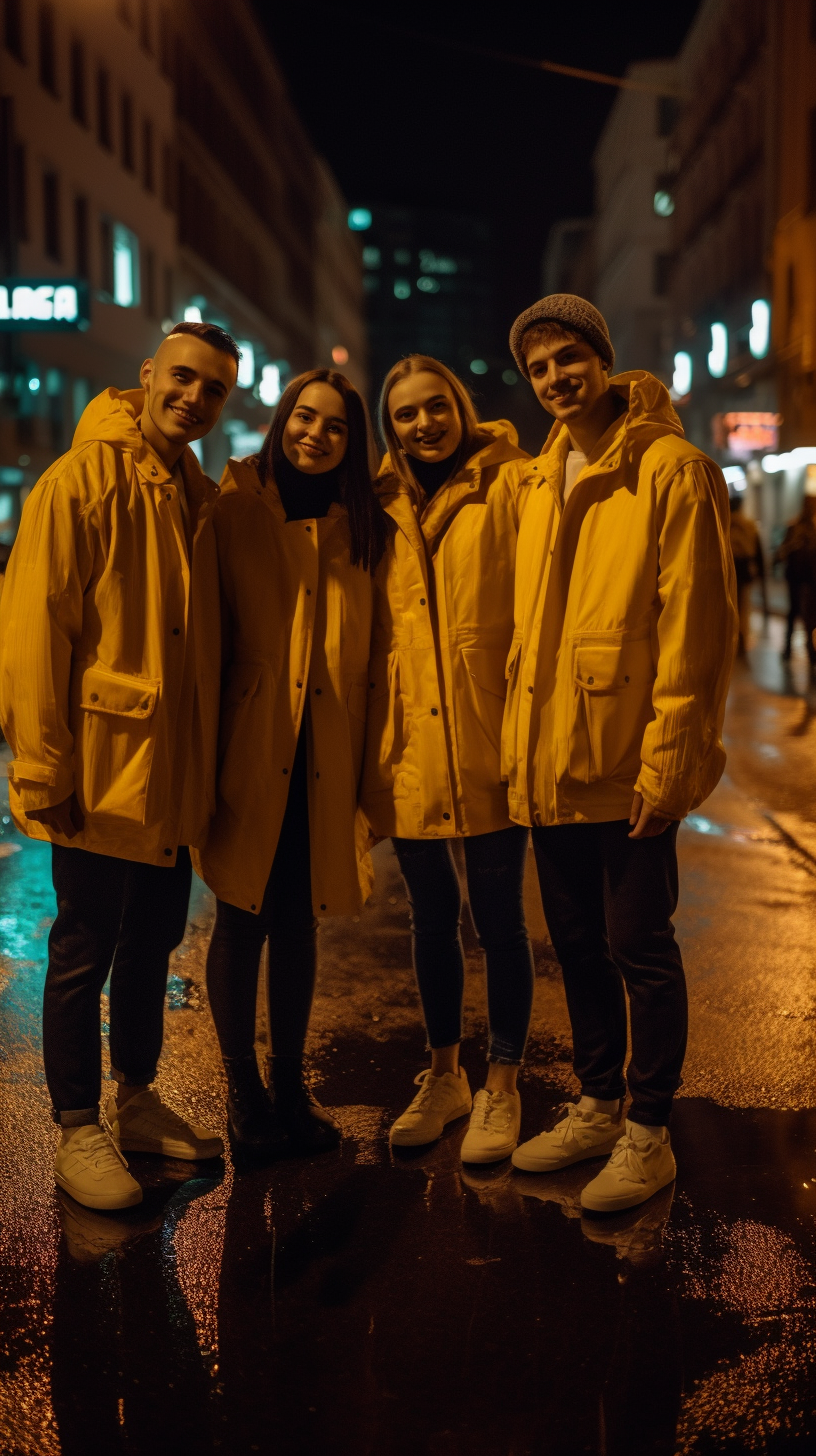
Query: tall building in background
634	204
151	162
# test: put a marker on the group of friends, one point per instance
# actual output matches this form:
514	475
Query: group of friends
263	679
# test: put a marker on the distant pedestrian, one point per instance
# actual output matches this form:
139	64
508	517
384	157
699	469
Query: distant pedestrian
797	553
443	625
109	701
299	534
625	634
749	566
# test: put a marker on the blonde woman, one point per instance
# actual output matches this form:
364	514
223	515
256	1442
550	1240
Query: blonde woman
443	625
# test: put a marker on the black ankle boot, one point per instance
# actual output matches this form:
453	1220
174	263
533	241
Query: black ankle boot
252	1121
309	1127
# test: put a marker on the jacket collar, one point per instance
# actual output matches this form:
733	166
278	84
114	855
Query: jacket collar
241	477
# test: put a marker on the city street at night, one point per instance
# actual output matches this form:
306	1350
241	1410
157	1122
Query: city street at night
367	1302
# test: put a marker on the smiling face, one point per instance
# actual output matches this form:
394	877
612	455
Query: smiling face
185	384
568	377
425	416
315	436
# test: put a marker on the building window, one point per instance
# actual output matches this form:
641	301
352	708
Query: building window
149	282
81	238
103	110
126	118
79	96
21	191
120	264
148	168
51	216
13	28
168	177
48	49
811	160
662	274
145	38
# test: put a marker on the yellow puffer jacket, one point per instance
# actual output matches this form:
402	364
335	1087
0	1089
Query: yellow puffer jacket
625	624
443	623
109	677
297	632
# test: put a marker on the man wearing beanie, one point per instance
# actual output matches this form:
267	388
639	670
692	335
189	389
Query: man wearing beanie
624	641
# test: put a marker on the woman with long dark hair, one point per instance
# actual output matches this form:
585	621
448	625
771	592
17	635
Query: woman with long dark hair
300	533
443	628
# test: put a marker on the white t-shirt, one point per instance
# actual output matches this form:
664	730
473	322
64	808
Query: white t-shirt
576	460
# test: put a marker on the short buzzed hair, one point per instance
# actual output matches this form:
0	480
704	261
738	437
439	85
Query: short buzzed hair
211	334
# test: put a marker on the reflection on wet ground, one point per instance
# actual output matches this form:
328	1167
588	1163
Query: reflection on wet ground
368	1303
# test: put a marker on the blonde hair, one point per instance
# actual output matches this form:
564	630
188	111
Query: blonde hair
468	418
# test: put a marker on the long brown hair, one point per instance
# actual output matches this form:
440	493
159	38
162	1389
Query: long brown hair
368	523
468	418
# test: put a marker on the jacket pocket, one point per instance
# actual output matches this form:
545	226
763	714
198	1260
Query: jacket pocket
241	736
612	701
486	693
388	720
116	739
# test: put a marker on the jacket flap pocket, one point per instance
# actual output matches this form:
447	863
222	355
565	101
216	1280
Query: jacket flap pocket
242	681
486	666
119	693
611	669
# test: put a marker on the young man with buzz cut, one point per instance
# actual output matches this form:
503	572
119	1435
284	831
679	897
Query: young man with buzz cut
624	641
109	691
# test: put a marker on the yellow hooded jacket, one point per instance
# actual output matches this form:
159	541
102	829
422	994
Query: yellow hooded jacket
625	624
443	624
297	631
111	643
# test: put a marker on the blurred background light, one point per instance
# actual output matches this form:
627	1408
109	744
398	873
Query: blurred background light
428	285
509	376
402	288
759	336
735	476
246	366
269	389
663	204
125	266
340	354
192	314
792	460
478	366
718	354
34	385
681	379
359	219
372	257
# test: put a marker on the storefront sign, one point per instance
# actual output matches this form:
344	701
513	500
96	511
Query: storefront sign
44	304
745	431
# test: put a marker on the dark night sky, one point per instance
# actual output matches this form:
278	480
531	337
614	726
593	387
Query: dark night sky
404	120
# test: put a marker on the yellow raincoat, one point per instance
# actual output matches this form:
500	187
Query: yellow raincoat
443	624
625	624
296	635
110	658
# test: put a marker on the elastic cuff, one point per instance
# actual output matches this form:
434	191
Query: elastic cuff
136	1081
76	1117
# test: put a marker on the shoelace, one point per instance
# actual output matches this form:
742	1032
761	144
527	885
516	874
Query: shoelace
485	1107
626	1154
101	1151
423	1083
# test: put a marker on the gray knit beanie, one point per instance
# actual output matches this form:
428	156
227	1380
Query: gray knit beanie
571	311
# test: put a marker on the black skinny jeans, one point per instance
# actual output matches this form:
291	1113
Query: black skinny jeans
286	919
117	916
608	902
495	881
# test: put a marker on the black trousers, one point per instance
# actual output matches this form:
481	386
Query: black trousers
119	917
286	920
608	901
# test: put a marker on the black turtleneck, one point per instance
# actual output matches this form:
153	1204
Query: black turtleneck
306	497
431	474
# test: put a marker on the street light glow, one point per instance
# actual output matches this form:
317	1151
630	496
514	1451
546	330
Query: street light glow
269	388
718	354
681	378
759	336
360	219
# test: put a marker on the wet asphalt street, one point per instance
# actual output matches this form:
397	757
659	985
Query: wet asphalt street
363	1303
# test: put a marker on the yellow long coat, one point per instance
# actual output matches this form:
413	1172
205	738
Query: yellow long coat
625	624
443	624
297	635
109	676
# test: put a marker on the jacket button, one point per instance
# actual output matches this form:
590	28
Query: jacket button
434	712
322	907
299	685
308	591
94	697
318	691
175	631
286	770
167	495
422	601
590	679
529	690
446	816
308	528
252	907
154	471
168	851
626	679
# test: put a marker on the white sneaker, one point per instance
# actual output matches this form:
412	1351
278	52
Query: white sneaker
641	1164
494	1127
440	1100
146	1125
580	1134
90	1167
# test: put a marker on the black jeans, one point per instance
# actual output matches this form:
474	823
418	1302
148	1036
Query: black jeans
286	919
117	916
608	901
495	881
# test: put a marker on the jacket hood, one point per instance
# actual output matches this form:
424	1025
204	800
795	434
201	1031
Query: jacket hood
650	415
113	418
498	443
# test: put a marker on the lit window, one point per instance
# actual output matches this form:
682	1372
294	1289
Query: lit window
759	336
663	203
269	389
718	354
360	219
681	379
246	366
125	266
428	285
372	257
478	366
402	288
